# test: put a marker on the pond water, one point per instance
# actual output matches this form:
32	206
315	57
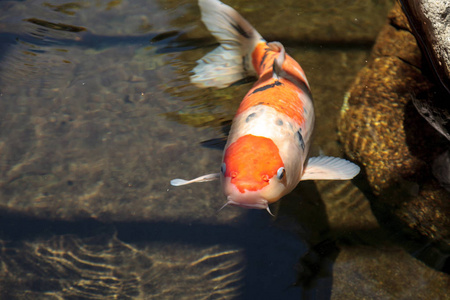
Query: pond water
97	114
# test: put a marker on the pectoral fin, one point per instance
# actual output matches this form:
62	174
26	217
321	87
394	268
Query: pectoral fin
329	168
204	178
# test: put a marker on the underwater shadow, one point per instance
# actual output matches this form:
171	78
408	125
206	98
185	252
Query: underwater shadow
392	229
289	257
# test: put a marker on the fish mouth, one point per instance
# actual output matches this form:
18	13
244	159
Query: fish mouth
259	204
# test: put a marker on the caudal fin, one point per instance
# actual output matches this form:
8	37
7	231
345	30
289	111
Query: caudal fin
231	61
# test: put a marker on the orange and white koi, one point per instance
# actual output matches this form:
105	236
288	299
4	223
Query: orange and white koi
266	153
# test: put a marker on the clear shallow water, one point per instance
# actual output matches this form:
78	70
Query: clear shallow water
97	115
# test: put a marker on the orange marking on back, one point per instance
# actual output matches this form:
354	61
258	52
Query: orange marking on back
283	98
251	161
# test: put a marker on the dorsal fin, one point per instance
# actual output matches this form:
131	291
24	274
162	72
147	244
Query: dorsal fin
278	62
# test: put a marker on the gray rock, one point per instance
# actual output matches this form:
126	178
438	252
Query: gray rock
438	14
430	22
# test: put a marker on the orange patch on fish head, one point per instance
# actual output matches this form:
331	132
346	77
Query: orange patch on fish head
250	166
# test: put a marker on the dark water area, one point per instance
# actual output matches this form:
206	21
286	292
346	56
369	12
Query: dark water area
97	115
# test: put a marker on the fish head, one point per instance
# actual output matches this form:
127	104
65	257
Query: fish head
252	173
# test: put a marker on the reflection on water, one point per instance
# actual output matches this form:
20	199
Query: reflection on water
97	115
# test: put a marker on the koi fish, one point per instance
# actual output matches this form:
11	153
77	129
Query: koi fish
266	153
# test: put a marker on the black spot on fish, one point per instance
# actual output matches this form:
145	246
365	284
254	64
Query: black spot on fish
268	86
239	29
300	139
290	126
279	122
249	117
261	64
262	59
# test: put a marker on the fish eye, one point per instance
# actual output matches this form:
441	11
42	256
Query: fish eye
223	168
280	173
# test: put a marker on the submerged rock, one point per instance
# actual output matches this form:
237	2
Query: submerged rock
381	129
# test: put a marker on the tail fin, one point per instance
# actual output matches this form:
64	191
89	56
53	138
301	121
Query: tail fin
231	61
